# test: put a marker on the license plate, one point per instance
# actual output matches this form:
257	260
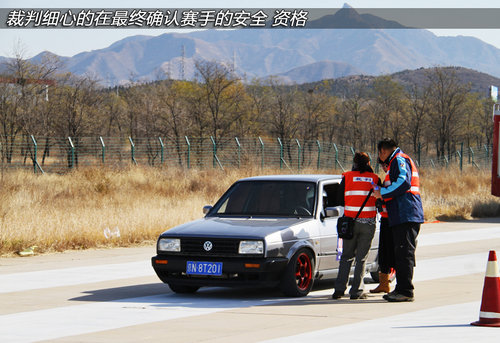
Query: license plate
203	268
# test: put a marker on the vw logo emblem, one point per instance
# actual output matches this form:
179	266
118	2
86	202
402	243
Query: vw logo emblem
207	246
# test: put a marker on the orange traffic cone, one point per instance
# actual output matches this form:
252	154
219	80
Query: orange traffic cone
489	314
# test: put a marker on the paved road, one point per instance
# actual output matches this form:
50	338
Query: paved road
113	295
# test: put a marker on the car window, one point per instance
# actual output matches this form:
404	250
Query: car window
333	197
274	198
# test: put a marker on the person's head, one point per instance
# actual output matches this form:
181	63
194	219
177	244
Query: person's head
385	148
383	164
361	162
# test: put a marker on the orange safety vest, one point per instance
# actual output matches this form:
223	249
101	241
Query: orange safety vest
387	182
357	186
415	180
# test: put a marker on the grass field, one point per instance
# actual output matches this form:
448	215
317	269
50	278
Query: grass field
73	211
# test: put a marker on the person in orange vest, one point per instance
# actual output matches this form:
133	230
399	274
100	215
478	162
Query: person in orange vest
385	243
355	187
404	208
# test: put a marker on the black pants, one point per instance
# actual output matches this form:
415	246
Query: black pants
405	242
385	247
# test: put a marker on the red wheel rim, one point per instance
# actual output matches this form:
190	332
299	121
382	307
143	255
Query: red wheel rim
303	271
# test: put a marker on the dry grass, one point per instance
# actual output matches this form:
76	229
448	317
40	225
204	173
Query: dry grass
451	195
71	211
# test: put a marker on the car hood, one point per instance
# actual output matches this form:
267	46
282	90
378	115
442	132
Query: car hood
234	227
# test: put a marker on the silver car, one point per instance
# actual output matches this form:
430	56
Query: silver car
266	230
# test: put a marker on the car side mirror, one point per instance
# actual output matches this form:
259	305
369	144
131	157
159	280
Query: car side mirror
334	211
206	209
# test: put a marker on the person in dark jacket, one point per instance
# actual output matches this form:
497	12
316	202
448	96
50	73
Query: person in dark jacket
385	244
405	212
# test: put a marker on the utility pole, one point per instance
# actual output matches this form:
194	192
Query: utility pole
183	56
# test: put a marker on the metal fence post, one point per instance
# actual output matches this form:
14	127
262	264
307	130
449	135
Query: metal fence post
261	152
281	153
487	155
188	152
336	155
419	152
162	150
35	148
353	152
215	158
319	154
298	154
72	147
238	147
461	155
103	149
214	151
132	150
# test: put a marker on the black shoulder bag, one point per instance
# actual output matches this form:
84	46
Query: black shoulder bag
345	225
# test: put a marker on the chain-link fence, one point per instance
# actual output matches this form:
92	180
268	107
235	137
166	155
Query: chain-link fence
52	154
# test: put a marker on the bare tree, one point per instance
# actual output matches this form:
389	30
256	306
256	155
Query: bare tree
448	98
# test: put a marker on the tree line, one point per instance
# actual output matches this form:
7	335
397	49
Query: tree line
434	116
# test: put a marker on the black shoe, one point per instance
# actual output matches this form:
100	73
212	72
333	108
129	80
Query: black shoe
358	296
385	296
398	297
337	295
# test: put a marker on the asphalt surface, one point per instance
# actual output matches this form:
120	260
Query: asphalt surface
114	295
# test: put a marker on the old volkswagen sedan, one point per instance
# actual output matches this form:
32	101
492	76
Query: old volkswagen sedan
266	231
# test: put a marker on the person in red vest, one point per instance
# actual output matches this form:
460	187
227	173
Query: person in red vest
385	243
355	187
404	207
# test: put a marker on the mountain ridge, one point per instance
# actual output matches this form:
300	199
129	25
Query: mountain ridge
265	52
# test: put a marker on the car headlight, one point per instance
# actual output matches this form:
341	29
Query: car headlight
169	244
251	247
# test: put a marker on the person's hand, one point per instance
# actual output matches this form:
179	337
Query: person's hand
376	191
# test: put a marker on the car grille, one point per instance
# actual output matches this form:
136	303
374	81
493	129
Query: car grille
220	247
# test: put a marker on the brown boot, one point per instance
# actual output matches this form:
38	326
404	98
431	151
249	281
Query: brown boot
383	285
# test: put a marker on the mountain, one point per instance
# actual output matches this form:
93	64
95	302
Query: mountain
478	81
253	53
318	71
348	18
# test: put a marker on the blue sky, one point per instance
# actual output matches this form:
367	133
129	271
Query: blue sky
71	42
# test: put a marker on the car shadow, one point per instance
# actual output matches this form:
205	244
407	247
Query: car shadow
160	295
118	293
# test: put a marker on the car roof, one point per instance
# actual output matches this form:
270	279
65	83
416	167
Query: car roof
297	177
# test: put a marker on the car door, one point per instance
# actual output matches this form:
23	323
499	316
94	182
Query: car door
329	243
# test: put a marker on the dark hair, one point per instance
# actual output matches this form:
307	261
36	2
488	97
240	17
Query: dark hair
361	162
387	143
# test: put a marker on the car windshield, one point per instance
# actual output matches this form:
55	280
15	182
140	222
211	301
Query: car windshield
268	198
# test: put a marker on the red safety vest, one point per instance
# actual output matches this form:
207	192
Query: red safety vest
357	186
387	182
415	180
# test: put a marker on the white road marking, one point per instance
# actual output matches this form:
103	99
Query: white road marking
80	275
81	319
450	266
439	324
17	282
451	237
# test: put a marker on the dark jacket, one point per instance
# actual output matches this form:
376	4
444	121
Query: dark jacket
404	206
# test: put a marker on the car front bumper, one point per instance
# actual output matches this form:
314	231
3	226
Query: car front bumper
238	271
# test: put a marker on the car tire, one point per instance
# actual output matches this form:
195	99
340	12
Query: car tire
183	289
298	278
